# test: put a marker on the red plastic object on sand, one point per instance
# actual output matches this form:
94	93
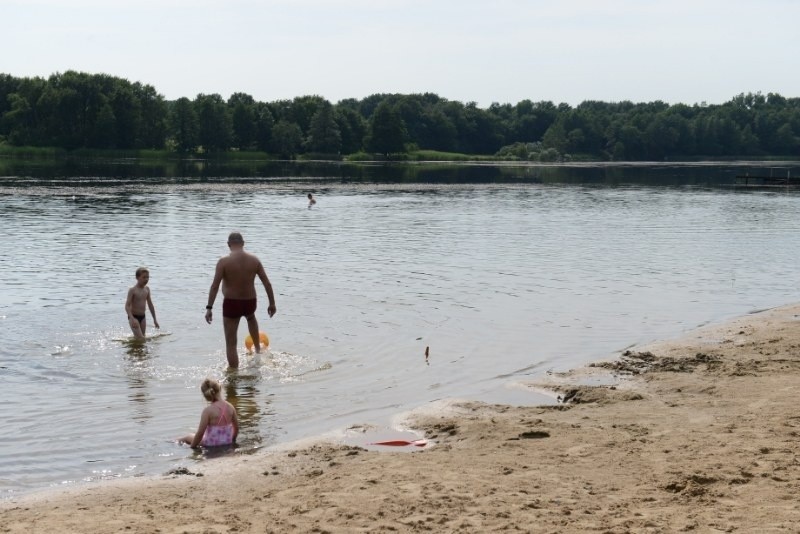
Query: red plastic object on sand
402	443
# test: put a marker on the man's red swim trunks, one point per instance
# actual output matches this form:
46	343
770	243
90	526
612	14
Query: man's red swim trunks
238	308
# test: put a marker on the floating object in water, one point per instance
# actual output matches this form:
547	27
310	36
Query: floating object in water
402	443
263	341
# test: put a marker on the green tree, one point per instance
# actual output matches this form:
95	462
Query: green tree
153	112
287	138
301	110
352	127
661	137
19	122
625	141
784	140
556	136
264	125
184	126
214	121
387	132
244	119
104	129
63	117
127	114
439	132
23	123
531	120
324	135
8	87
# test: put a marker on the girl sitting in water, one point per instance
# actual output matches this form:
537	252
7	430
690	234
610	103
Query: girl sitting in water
218	422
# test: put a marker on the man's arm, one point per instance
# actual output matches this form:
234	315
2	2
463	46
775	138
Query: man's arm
262	275
212	291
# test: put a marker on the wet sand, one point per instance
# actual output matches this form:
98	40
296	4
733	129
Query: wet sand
697	434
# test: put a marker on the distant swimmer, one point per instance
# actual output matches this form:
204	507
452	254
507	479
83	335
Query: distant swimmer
237	272
219	424
311	200
138	298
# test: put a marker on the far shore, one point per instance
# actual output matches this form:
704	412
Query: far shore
416	157
697	434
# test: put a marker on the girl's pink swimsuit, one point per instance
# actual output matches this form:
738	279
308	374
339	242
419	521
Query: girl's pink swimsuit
221	433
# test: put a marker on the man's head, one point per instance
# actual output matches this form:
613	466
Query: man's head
235	238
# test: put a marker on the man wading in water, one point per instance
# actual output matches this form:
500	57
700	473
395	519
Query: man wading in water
237	272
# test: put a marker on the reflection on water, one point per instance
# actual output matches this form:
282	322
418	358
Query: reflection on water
130	171
137	369
243	393
503	274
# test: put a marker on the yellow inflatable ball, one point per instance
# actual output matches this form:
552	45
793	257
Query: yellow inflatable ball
262	338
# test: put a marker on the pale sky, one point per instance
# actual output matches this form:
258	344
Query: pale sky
688	51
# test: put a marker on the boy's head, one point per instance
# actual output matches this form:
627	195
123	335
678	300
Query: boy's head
142	271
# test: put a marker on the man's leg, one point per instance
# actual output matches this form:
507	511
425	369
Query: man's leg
252	327
231	326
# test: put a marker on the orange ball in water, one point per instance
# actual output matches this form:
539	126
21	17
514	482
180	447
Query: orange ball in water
262	338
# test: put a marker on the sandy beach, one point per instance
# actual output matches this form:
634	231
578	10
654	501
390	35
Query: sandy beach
697	434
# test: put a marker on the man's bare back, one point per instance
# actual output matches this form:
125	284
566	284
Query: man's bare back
239	270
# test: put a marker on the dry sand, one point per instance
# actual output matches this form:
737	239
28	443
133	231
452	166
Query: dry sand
698	435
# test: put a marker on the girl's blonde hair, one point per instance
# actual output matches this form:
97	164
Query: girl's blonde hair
210	389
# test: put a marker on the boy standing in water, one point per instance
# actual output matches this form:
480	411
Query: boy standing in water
138	296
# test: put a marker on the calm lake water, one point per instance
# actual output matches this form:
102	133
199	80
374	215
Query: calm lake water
505	273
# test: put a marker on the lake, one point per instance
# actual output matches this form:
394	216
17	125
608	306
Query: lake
503	272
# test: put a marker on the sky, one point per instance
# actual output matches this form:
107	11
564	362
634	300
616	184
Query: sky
504	51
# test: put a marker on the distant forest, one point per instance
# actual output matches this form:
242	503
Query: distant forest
74	110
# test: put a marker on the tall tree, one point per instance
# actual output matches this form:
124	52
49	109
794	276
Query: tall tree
352	127
184	125
264	124
287	139
244	120
153	117
387	132
215	130
302	109
127	113
324	135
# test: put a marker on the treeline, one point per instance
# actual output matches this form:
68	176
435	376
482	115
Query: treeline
75	110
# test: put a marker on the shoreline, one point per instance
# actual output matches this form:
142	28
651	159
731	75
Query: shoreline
696	433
